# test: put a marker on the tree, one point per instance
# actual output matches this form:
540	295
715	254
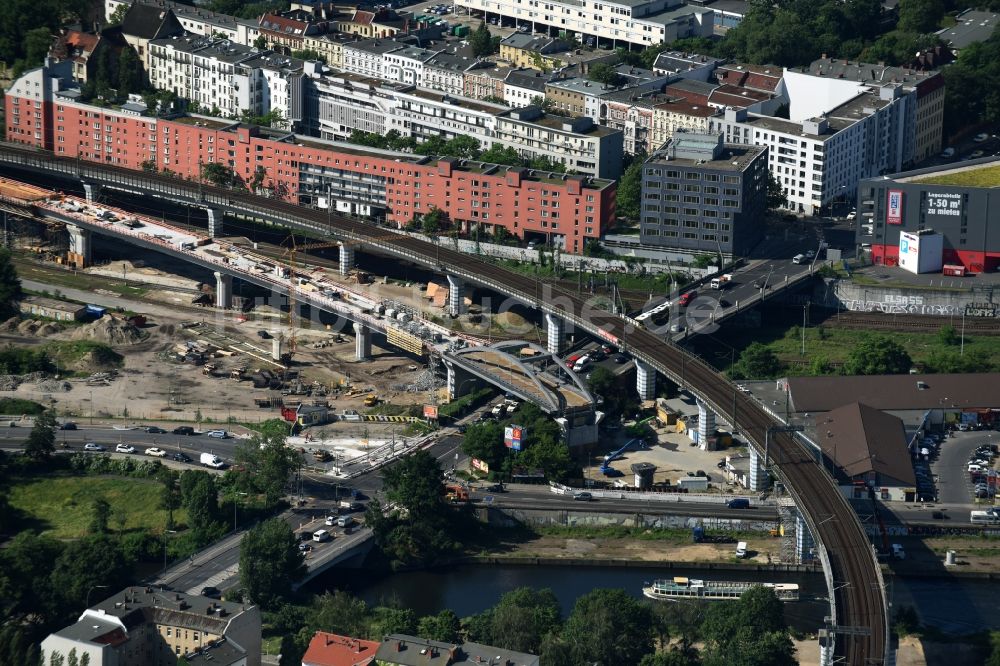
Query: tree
629	192
609	627
757	362
86	565
219	174
131	78
484	441
338	612
309	54
10	285
463	146
266	463
877	355
921	16
414	483
442	627
270	562
481	41
118	16
777	196
36	46
432	221
604	74
101	513
170	494
200	499
260	42
387	620
617	399
748	632
499	154
549	454
947	336
523	618
670	658
41	442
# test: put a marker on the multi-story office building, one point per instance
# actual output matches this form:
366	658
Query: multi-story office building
224	77
342	103
43	110
600	22
141	626
580	144
700	195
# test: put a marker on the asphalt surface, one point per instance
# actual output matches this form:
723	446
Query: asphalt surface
12	439
951	467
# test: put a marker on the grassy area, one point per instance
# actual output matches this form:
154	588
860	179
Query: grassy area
68	352
834	345
15	406
60	506
988	176
29	269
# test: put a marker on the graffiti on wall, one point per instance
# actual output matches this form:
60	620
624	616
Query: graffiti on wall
981	310
858	305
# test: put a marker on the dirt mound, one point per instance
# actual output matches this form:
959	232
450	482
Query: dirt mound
110	330
10	325
37	328
510	320
94	361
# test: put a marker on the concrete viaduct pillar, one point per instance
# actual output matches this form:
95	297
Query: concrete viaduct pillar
555	330
223	290
362	342
215	216
79	245
758	473
346	258
706	427
92	191
805	545
277	346
645	380
456	295
460	382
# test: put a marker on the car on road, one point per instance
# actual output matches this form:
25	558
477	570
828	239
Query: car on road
852	215
982	136
155	430
810	254
181	457
677	328
607	349
68	425
686	298
218	434
305	547
723	303
621	358
948	152
124	448
183	430
583	497
211	592
93	446
305	536
155	452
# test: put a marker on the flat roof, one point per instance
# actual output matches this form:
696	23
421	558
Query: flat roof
204	121
974	175
896	392
672	15
972	26
734	157
853	70
452	100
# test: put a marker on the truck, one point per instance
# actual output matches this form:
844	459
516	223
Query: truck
211	460
371	400
349	506
456	493
722	281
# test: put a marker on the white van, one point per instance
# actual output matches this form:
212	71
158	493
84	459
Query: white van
321	536
799	259
741	550
345	521
581	364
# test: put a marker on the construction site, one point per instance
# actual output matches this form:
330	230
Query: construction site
265	356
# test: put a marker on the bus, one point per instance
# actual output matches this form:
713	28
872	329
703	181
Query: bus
990	517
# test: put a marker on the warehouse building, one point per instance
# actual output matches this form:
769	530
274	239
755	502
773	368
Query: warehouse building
957	202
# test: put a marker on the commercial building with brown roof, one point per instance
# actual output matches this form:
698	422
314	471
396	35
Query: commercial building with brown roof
947	392
866	445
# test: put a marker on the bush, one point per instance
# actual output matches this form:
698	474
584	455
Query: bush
20	406
138	468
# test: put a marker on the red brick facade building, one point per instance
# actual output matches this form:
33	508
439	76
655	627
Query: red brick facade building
43	111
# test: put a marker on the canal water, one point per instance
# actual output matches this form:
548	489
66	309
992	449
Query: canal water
471	589
956	606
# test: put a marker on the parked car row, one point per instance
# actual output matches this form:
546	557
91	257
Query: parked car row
980	464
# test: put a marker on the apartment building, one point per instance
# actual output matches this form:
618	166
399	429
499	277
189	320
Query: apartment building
223	77
43	110
701	195
367	57
423	114
600	22
677	115
580	144
686	65
141	626
576	95
288	32
406	64
485	81
198	20
523	87
342	103
445	71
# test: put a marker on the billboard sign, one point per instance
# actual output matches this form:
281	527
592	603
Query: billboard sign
909	248
944	204
431	412
480	465
513	435
894	207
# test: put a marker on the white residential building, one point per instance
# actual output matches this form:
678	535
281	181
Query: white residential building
600	22
223	77
446	71
345	102
406	65
199	21
367	57
579	144
427	113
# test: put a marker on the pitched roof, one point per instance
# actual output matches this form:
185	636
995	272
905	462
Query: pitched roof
334	650
862	439
896	392
149	22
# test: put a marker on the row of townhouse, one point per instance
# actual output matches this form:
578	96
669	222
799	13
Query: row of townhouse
343	103
602	22
43	109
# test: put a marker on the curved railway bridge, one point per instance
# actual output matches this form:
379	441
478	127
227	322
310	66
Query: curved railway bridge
856	590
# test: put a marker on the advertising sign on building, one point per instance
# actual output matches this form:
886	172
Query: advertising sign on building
431	412
480	465
512	437
944	204
894	207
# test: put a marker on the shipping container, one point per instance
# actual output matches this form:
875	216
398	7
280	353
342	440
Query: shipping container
952	270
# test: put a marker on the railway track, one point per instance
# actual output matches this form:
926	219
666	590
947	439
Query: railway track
911	323
857	591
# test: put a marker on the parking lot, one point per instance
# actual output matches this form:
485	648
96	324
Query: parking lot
954	483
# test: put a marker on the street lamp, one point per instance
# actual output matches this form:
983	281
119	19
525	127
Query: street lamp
236	501
92	588
165	533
